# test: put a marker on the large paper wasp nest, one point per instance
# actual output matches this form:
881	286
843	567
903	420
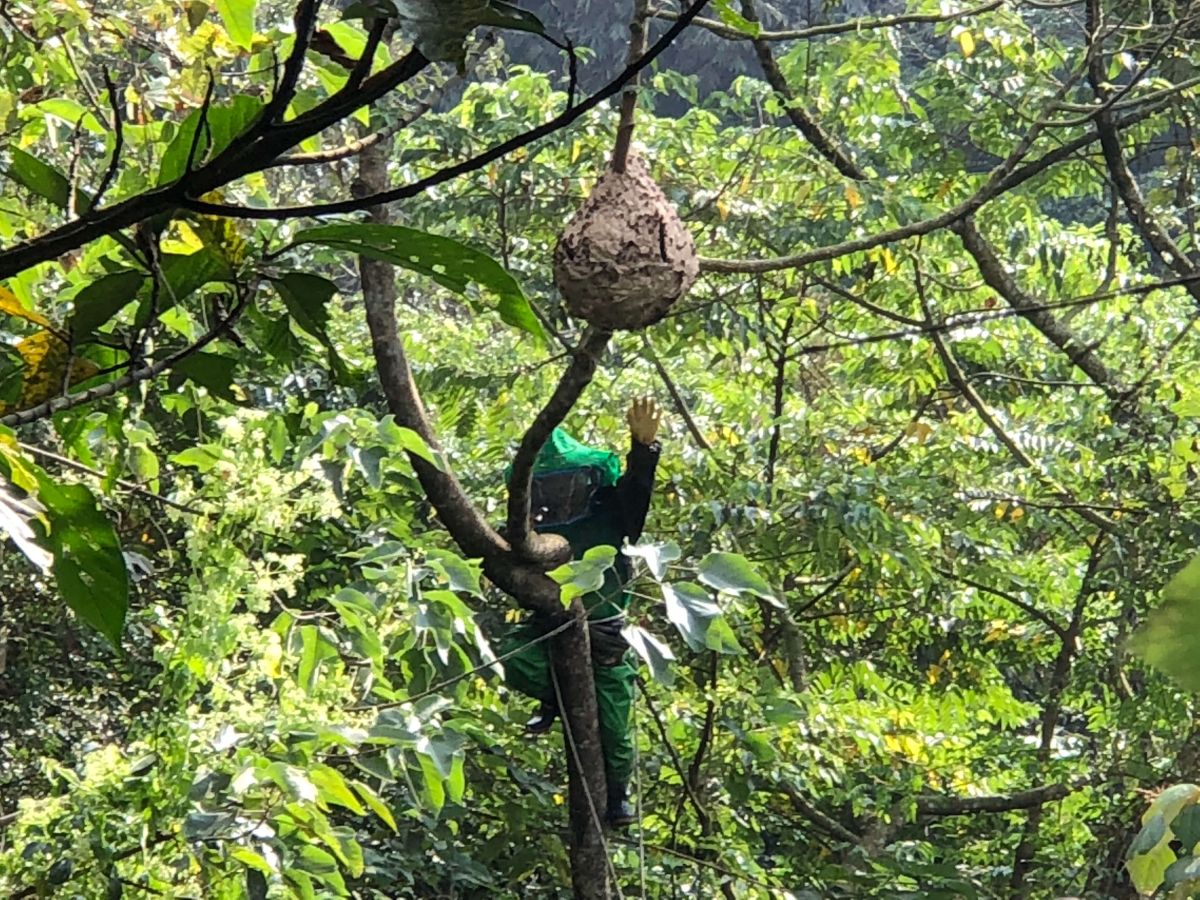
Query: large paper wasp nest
625	258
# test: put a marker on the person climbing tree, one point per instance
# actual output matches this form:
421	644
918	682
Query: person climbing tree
580	494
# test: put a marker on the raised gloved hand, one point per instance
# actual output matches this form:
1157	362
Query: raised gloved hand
608	647
643	418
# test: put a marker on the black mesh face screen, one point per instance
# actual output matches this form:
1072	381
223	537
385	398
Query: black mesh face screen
560	498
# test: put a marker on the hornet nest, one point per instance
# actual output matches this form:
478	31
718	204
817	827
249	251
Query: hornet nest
625	258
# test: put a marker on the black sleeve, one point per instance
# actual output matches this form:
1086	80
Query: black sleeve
635	487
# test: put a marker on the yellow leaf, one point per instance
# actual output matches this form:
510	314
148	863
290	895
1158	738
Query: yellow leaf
12	306
1017	514
966	42
722	208
853	197
1000	510
889	261
920	430
576	149
862	454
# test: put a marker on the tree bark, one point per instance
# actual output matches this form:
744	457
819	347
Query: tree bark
524	580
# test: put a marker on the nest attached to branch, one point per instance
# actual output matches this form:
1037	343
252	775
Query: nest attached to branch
625	258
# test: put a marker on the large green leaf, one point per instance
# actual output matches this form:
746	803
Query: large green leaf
1167	639
102	299
307	300
691	609
89	566
238	16
582	576
209	370
734	574
655	653
440	27
451	264
44	180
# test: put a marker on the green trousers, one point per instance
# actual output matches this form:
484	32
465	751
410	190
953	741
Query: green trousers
529	672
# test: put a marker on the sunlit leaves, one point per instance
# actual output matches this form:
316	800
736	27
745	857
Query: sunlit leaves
584	575
1150	854
238	16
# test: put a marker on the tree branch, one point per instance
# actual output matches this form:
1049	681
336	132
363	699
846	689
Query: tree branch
935	805
998	278
955	374
245	155
118	127
820	139
991	189
637	49
68	401
470	165
303	20
571	385
866	23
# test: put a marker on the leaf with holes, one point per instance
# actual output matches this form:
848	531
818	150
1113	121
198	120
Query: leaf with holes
451	264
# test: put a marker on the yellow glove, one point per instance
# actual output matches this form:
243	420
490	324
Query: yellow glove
643	417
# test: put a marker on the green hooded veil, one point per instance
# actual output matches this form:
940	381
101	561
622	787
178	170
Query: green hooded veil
562	452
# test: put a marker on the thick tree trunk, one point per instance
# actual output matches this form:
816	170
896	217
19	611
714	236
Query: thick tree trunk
525	580
587	794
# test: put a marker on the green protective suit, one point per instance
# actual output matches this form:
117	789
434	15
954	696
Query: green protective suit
617	512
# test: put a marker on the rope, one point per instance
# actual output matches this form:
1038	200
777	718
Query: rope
587	791
637	776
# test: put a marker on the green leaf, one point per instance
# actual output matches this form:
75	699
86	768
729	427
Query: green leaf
733	574
502	14
462	575
376	804
332	788
238	16
584	575
225	121
18	516
397	437
1167	639
40	178
314	649
209	370
97	302
307	299
655	653
1182	872
656	556
451	264
89	566
1150	853
202	458
294	781
691	610
252	860
735	19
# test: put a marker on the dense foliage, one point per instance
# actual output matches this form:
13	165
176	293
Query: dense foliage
918	491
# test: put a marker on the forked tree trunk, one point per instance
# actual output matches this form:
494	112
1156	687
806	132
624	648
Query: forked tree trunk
570	650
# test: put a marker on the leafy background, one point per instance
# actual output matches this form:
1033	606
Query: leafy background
885	655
